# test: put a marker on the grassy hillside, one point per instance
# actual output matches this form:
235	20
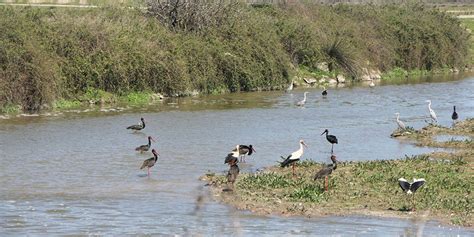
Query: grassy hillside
50	54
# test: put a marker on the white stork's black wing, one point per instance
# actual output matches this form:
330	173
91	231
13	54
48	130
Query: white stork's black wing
417	183
404	184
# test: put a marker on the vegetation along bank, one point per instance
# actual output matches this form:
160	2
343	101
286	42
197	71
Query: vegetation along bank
65	57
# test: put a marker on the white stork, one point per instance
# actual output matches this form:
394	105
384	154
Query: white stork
294	157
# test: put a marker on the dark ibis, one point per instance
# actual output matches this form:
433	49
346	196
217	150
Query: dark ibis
331	139
145	147
293	157
326	171
244	150
325	92
232	174
148	163
138	127
410	188
454	116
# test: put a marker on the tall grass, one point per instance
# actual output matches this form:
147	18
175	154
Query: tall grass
51	54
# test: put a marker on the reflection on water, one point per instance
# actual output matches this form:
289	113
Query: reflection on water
77	173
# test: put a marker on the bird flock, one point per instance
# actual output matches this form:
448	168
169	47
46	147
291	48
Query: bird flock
433	117
239	152
150	162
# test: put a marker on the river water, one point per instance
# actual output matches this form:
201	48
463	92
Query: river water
77	172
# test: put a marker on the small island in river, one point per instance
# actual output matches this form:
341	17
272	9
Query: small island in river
367	187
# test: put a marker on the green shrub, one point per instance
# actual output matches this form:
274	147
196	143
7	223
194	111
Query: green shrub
51	53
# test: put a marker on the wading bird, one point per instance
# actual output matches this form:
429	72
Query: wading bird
290	87
325	92
401	125
302	102
432	113
232	175
326	171
454	116
145	147
293	157
232	156
244	150
138	127
331	139
371	84
148	163
410	188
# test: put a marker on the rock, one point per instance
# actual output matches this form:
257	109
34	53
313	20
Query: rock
340	78
332	81
45	106
365	70
310	81
455	70
375	74
323	66
365	77
322	80
156	96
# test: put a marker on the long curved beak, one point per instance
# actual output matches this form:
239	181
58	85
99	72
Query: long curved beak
153	140
304	144
323	133
253	150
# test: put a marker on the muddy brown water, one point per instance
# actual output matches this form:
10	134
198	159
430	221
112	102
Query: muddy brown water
77	172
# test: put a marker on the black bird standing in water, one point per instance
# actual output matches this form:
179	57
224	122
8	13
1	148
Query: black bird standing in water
326	171
331	139
454	116
145	147
138	127
325	92
410	188
148	163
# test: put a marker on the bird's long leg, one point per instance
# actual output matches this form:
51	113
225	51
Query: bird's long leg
332	149
326	183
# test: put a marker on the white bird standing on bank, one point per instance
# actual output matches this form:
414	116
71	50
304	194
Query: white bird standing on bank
302	102
293	157
401	125
432	113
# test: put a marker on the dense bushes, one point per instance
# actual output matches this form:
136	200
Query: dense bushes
48	54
